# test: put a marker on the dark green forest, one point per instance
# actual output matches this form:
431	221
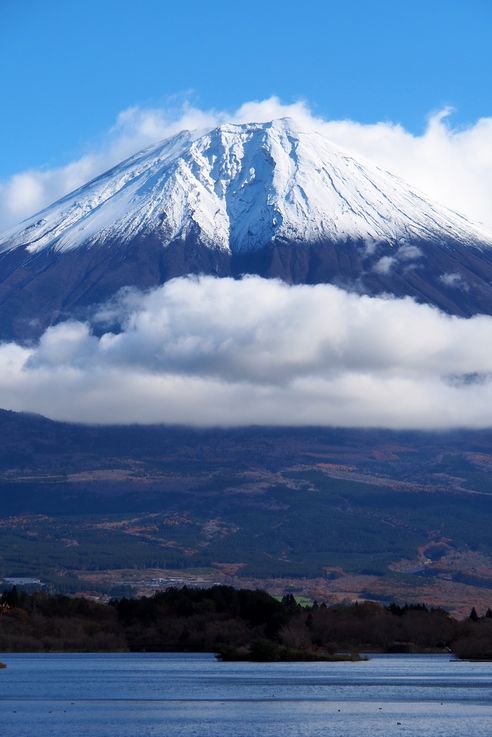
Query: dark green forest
235	624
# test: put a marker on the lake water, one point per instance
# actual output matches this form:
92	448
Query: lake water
139	695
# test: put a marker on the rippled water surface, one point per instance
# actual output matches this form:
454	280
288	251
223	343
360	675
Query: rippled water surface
138	695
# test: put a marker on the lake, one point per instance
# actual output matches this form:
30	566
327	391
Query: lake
193	695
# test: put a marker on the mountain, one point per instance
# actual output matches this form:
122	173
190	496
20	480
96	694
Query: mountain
263	198
328	512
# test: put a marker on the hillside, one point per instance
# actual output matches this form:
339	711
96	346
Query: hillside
334	513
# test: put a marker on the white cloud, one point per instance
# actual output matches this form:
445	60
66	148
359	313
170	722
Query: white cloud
384	264
218	351
454	166
409	253
454	280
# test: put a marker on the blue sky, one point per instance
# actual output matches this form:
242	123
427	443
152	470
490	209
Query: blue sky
68	68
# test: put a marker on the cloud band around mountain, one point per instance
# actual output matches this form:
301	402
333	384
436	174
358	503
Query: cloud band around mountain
206	351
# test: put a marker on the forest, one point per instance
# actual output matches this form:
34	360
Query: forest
237	624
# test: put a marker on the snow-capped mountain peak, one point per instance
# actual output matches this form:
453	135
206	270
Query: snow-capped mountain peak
238	188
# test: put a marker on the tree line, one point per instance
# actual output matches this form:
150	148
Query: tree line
235	622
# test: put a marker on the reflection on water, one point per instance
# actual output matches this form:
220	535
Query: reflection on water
138	695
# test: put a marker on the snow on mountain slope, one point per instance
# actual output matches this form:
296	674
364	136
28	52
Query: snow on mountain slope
238	188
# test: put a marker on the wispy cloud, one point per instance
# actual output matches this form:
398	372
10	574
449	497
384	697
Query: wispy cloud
454	166
217	351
